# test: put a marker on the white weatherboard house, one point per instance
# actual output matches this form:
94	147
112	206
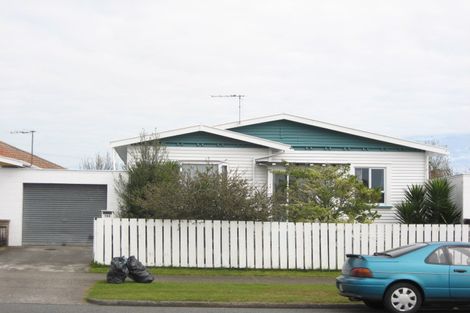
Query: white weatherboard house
257	147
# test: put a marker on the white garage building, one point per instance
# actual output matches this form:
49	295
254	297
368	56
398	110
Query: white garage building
54	206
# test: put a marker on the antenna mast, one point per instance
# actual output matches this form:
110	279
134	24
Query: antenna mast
32	141
239	103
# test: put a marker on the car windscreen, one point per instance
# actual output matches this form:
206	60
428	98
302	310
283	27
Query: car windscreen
402	250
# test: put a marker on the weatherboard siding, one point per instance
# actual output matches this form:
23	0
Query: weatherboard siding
239	159
401	169
306	137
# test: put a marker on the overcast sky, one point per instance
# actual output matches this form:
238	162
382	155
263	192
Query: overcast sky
82	73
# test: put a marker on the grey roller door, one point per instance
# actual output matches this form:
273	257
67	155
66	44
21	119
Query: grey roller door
61	213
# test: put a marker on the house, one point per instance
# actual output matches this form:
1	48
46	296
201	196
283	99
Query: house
257	147
461	194
11	156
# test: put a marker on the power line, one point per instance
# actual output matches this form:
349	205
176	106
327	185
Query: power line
239	103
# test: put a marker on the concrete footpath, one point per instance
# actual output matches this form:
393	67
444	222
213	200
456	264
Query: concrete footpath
47	275
45	287
59	275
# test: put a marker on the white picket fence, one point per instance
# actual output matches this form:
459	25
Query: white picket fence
263	245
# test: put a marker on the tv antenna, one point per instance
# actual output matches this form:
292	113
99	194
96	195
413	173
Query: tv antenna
32	141
239	103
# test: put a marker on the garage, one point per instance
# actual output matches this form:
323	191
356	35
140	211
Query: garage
61	214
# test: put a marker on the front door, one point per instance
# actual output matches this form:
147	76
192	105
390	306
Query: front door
459	272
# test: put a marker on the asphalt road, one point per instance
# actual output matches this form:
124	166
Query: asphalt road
86	308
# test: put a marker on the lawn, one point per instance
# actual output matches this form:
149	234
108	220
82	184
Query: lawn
170	271
217	292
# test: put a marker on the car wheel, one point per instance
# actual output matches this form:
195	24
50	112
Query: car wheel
374	304
403	297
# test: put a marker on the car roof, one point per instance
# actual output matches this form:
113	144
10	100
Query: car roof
448	243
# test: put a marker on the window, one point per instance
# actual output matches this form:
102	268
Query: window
193	168
372	178
282	181
459	255
437	257
223	169
279	182
402	250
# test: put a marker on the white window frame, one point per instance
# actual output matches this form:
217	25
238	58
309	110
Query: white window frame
275	167
219	164
271	170
375	167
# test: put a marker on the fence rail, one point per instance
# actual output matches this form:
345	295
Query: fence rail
263	245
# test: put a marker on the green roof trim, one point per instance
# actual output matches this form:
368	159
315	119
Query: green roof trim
204	139
305	137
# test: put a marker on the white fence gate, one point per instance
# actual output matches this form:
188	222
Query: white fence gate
262	245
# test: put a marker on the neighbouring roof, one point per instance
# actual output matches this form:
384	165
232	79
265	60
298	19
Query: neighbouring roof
11	156
281	132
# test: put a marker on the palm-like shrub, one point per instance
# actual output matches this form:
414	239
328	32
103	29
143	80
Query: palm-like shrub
428	204
413	209
441	209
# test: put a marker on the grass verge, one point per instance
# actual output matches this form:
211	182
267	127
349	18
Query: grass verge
172	271
218	292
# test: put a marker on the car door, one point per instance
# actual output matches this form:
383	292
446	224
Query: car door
435	275
459	272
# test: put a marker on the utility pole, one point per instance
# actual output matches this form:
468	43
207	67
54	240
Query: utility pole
32	141
239	103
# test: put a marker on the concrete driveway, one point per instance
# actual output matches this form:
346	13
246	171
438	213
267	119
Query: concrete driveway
54	275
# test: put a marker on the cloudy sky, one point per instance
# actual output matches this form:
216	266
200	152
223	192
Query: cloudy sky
82	73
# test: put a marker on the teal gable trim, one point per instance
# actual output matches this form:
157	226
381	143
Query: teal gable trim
203	139
306	137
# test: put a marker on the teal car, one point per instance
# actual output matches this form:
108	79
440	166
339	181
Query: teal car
405	278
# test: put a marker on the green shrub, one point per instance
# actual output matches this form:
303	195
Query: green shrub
430	203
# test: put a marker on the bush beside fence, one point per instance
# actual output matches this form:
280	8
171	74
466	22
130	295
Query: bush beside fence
260	245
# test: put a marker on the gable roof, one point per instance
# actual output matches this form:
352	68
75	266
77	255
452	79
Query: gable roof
337	128
201	128
11	156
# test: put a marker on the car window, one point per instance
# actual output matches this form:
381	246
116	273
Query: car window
437	257
459	255
402	250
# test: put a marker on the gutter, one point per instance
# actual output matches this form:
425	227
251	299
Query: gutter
270	155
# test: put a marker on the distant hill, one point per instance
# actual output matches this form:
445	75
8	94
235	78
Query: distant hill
458	146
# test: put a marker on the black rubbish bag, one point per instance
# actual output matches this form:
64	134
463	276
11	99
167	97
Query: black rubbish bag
117	271
137	271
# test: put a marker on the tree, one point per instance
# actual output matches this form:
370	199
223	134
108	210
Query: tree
439	165
155	187
329	194
148	166
430	203
98	162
